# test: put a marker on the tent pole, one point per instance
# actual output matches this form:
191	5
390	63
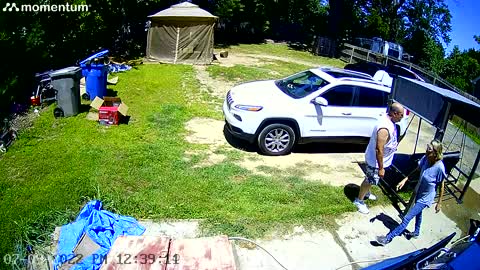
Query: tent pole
149	38
414	194
441	131
176	45
472	174
418	135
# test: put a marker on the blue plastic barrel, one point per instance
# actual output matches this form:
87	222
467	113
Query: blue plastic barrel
95	72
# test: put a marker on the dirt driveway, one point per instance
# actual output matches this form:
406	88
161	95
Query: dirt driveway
218	88
337	169
336	165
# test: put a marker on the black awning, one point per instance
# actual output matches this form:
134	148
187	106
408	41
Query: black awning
431	102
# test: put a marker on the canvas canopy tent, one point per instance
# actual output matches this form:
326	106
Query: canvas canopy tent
182	33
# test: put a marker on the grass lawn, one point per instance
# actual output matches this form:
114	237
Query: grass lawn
242	73
139	169
284	51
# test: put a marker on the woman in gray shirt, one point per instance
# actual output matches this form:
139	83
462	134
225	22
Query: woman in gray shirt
432	173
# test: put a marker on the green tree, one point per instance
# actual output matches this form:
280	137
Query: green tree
382	17
477	39
426	25
227	8
430	16
460	68
298	20
377	26
432	55
254	20
344	19
38	41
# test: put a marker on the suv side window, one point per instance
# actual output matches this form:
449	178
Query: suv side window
341	95
368	97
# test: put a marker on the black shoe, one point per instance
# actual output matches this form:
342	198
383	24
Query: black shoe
411	235
382	240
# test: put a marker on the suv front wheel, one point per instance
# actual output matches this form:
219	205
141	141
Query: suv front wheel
276	140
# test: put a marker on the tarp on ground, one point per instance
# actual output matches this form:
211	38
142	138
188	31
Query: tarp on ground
182	33
102	227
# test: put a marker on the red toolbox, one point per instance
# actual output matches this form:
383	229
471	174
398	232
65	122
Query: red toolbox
108	115
111	110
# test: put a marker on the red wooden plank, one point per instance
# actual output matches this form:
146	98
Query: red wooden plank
137	253
212	253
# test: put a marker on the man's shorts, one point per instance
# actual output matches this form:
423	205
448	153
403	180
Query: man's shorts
372	175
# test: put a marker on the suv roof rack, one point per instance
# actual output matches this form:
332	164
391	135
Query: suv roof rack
345	72
360	80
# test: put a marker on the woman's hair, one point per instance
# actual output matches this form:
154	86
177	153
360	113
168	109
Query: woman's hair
437	148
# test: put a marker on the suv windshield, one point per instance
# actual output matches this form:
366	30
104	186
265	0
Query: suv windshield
301	84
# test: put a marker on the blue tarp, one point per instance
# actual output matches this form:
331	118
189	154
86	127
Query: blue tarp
102	227
118	67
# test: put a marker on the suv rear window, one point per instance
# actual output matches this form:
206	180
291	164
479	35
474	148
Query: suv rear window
368	97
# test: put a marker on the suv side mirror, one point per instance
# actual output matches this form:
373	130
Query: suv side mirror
320	101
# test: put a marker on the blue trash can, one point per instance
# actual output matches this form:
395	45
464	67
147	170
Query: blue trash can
95	71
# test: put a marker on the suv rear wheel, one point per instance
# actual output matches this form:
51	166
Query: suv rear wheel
276	140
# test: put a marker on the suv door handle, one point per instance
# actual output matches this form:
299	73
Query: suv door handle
347	113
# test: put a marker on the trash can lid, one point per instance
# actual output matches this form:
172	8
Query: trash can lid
66	71
97	55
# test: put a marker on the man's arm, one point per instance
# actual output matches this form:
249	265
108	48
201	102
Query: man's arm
382	139
439	206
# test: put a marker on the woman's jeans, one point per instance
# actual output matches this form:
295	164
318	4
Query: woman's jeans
415	211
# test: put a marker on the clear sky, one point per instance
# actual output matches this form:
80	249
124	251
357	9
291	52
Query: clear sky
465	24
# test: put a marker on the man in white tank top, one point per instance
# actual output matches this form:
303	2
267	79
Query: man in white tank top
379	154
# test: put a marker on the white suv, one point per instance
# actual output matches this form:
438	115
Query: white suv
320	104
